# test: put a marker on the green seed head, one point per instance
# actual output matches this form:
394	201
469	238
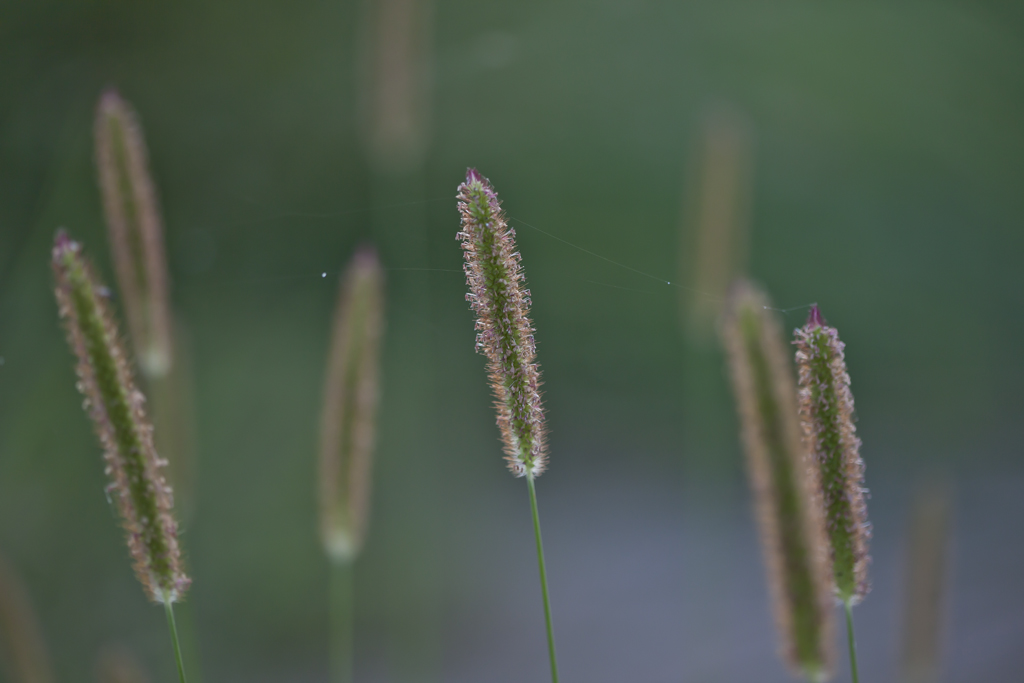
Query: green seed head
116	408
826	415
135	231
504	330
783	480
347	428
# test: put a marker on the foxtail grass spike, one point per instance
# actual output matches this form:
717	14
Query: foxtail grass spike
505	336
504	330
783	480
117	411
347	427
22	646
135	231
826	416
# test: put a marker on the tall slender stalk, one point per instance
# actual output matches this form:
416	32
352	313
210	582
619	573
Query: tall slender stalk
543	578
169	607
848	607
342	659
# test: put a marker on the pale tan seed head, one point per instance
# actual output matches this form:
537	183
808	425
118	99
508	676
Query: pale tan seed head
716	218
22	648
396	87
135	231
348	423
783	482
926	582
116	663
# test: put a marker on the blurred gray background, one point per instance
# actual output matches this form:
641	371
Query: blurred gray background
874	159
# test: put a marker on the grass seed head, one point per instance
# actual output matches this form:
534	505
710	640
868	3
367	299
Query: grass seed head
396	83
22	648
347	428
783	481
135	231
927	581
118	664
826	416
117	411
504	331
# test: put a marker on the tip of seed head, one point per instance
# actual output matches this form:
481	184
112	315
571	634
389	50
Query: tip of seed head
473	176
365	255
62	243
110	99
814	318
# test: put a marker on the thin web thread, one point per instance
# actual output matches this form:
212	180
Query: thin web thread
594	254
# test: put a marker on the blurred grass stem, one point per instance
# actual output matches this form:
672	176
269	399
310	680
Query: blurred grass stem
543	578
169	607
848	608
342	663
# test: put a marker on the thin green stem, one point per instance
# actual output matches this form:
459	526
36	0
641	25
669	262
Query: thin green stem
543	578
341	622
169	608
849	639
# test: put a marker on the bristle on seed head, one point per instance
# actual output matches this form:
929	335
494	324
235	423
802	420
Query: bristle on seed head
783	481
117	411
348	423
826	416
494	275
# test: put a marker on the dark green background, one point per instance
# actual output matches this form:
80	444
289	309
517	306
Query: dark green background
888	173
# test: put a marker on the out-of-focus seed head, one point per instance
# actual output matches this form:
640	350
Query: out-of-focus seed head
116	408
118	664
783	480
826	416
504	331
135	231
22	648
396	86
347	427
720	200
926	581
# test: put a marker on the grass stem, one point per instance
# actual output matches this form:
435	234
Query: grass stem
169	607
850	641
543	578
342	661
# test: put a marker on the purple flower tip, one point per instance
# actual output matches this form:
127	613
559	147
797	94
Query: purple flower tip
61	241
814	318
473	176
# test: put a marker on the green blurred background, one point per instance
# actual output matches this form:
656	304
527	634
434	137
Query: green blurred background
885	143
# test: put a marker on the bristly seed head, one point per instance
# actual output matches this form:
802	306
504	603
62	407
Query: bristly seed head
135	231
783	480
116	408
826	416
504	331
347	427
